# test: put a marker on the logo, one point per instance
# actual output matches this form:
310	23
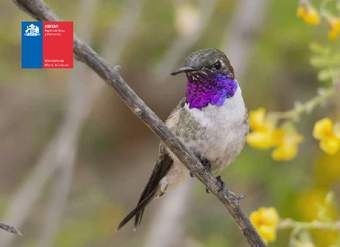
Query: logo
47	45
32	31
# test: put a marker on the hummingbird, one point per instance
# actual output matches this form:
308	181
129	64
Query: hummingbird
211	120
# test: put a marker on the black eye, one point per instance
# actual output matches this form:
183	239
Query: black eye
217	65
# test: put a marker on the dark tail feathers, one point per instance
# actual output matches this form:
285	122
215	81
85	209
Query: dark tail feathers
137	212
160	170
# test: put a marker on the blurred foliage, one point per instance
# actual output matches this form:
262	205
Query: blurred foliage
316	205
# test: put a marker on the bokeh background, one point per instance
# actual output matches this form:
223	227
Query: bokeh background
73	158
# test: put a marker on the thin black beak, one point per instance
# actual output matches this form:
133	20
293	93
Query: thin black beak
183	69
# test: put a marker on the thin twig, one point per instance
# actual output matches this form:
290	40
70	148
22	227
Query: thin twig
84	53
10	229
305	107
291	224
29	192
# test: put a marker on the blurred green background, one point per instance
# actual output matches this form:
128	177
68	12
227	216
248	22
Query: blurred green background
116	151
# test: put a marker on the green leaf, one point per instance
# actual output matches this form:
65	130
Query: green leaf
318	48
326	74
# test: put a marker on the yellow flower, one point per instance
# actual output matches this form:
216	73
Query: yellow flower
325	131
308	14
334	23
287	144
267	233
266	135
301	11
261	139
323	128
263	130
265	220
330	145
257	119
317	204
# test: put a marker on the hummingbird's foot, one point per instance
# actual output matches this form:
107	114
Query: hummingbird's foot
206	163
220	183
232	195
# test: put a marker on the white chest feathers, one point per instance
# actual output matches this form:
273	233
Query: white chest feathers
224	129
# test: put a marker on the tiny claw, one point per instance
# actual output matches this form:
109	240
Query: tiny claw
206	163
220	183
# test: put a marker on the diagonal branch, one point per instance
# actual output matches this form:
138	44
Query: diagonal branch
84	53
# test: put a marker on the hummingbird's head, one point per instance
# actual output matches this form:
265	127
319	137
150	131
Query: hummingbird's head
211	78
206	63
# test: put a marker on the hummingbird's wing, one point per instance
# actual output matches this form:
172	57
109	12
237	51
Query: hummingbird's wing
161	168
163	165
